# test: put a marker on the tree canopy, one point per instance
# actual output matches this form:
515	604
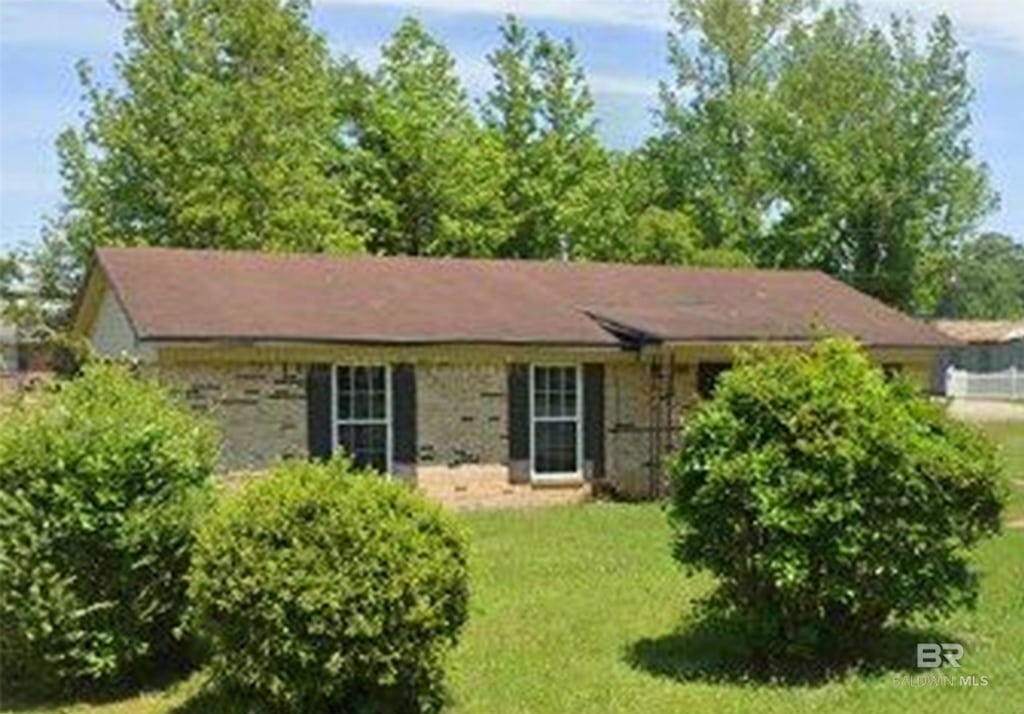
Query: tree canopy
788	136
820	140
988	280
218	134
427	175
542	110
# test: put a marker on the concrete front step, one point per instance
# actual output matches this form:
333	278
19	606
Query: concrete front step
507	495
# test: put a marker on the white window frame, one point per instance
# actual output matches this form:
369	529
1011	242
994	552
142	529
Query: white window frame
388	410
576	475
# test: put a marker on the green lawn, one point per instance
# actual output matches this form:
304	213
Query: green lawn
581	609
1010	438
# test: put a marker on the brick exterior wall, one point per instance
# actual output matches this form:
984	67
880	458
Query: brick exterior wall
462	427
627	409
461	422
260	409
643	413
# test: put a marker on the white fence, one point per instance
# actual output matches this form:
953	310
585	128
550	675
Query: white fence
992	385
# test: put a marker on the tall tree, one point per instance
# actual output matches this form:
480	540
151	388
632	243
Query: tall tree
874	157
614	219
818	140
713	148
511	106
542	110
219	134
427	175
510	110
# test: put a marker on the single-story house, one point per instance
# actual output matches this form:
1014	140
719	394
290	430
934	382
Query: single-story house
463	376
987	362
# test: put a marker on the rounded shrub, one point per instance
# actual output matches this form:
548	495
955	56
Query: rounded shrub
100	478
317	588
828	498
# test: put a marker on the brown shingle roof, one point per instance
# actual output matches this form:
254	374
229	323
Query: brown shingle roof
188	295
982	331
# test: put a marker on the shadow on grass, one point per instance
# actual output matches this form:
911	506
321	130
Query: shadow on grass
21	696
210	700
720	652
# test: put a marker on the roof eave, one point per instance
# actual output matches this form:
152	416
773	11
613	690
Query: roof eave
253	340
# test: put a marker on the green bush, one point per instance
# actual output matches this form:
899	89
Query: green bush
319	588
99	480
828	499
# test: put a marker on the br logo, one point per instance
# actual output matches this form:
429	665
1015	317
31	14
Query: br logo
930	655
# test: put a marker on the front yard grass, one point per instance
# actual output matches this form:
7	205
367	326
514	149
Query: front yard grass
581	609
1010	437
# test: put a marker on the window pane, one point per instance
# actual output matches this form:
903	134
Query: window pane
345	438
569	403
555	446
554	392
344	382
378	408
377	378
361	393
365	444
563	389
540	403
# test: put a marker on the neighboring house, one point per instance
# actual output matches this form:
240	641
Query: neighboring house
989	362
23	361
463	375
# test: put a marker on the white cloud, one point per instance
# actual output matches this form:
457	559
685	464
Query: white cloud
623	85
644	13
987	22
998	22
26	182
478	76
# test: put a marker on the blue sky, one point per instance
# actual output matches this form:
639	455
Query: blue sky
622	43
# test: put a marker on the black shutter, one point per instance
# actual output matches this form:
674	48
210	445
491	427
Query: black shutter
318	412
403	417
708	374
593	418
519	423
